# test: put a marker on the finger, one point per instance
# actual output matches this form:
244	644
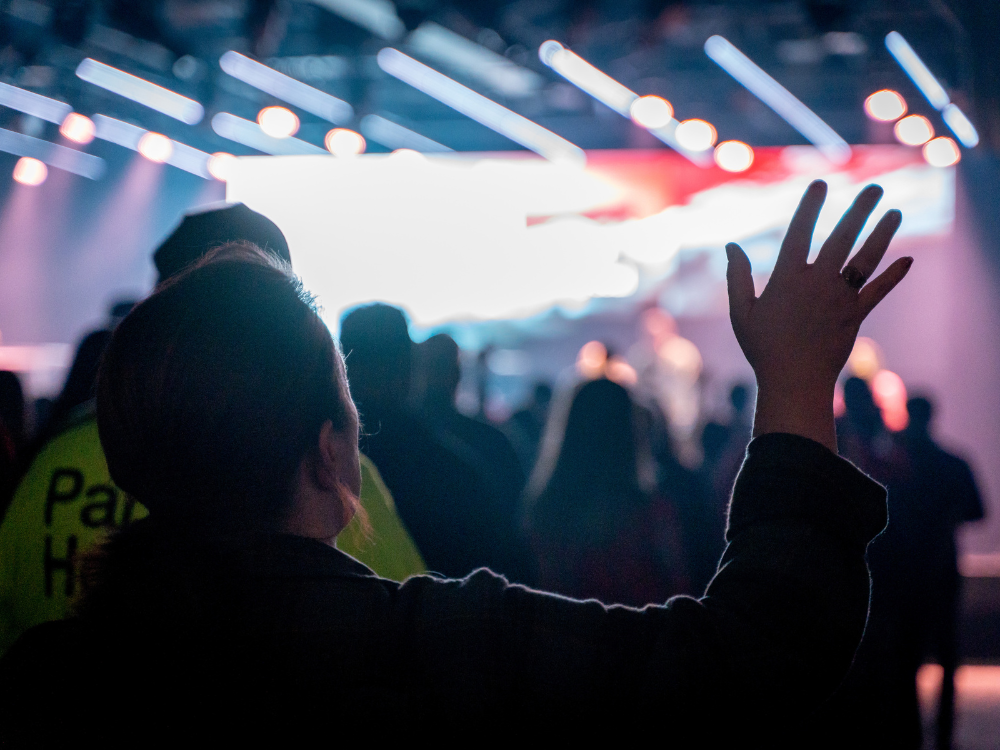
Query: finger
870	254
876	290
838	245
795	247
739	279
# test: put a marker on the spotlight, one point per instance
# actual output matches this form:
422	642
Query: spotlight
142	91
278	122
941	152
155	147
30	171
885	105
651	111
344	142
733	156
914	130
78	128
220	165
696	135
778	98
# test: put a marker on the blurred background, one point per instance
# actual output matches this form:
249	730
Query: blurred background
550	183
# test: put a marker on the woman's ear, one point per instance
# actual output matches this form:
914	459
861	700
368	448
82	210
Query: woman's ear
337	463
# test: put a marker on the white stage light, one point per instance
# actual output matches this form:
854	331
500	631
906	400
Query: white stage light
172	152
77	128
141	91
960	125
941	152
914	67
932	89
476	106
651	111
30	171
582	74
250	134
778	98
885	105
696	135
395	136
155	147
344	142
914	130
438	44
220	165
33	104
66	159
733	156
287	89
609	92
278	122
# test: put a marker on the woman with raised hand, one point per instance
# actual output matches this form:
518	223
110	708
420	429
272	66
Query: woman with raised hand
229	611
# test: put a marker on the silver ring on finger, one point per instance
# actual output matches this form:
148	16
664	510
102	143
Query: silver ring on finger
853	277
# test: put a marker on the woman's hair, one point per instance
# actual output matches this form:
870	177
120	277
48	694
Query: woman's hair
591	462
214	389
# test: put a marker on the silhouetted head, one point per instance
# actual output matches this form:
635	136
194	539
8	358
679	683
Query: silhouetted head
204	229
12	405
590	450
921	411
862	412
216	388
377	346
440	370
542	395
739	397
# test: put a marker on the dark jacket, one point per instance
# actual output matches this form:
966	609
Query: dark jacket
291	633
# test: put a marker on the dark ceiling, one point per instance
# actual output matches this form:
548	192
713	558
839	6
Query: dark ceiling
829	53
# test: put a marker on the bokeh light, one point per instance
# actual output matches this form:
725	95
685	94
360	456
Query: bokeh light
591	359
733	156
278	122
344	142
220	165
77	128
866	359
914	130
651	111
885	105
30	171
156	147
696	135
941	152
889	394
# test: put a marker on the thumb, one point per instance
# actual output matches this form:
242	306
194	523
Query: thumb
740	282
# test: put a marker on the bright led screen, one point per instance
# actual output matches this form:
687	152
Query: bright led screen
495	237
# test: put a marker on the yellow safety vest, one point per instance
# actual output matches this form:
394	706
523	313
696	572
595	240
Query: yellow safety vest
66	502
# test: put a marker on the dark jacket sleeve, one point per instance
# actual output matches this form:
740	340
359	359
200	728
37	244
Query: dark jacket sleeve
773	636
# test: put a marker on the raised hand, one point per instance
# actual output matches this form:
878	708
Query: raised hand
799	333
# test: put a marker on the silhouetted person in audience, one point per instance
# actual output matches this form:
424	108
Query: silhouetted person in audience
12	408
526	425
494	456
936	495
440	493
12	434
596	522
80	381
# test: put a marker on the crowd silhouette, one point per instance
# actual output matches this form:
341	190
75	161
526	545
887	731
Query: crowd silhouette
580	493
